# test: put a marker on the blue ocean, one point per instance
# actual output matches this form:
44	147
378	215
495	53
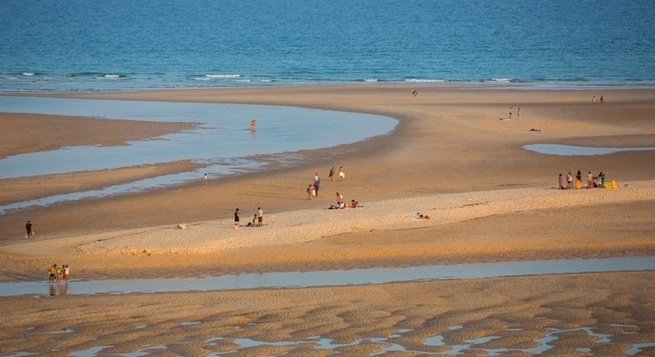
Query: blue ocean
110	45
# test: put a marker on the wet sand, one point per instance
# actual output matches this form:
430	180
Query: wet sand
451	156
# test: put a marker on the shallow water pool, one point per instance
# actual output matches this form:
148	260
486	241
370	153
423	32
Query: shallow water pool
330	278
571	150
223	142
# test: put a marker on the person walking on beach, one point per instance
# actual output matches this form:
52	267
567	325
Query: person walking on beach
342	175
518	113
569	181
601	100
236	218
561	182
260	216
28	229
331	173
593	100
317	183
311	192
510	113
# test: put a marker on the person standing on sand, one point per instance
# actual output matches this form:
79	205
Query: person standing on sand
561	182
236	218
260	216
67	272
601	100
569	181
510	113
310	192
28	229
593	100
331	173
317	183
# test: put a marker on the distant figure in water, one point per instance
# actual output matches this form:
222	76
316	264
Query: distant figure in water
253	125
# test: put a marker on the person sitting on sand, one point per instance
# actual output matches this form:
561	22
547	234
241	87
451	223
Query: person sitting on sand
354	203
561	182
600	181
424	216
254	221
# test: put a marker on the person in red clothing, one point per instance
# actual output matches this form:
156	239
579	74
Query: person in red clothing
28	229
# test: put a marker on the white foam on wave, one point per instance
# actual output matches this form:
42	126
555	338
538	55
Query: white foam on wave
370	80
28	74
111	76
424	80
501	80
222	76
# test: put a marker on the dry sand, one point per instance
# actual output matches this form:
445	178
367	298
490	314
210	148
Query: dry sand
451	157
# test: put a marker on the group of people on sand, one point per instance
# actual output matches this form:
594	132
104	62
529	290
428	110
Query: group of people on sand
591	181
341	204
340	173
313	188
257	219
59	273
511	112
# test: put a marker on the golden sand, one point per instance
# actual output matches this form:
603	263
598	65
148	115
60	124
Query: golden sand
451	157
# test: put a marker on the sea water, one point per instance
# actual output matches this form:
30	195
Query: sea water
113	45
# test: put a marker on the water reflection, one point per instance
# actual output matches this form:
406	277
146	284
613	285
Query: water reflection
571	150
58	288
340	277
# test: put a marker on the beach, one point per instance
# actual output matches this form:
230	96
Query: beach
451	157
